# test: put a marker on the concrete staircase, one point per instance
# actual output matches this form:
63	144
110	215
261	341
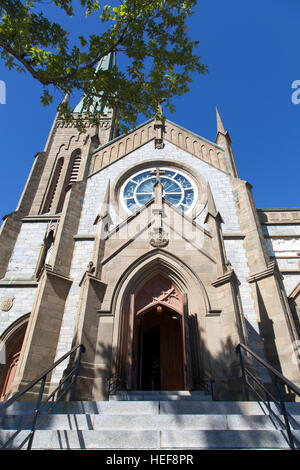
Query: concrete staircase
154	420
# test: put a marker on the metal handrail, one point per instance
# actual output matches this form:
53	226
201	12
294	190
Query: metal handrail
61	390
279	380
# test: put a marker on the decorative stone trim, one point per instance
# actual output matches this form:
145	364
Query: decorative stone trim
49	271
271	270
282	236
82	237
209	152
230	276
295	292
18	283
279	216
92	278
41	218
159	238
233	236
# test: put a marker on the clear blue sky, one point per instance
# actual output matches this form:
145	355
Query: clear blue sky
252	52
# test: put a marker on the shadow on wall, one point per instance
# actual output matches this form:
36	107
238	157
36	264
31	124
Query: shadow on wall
223	369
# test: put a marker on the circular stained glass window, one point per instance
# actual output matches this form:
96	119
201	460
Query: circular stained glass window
178	189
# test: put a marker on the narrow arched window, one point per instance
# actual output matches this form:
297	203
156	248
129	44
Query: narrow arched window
75	165
53	186
71	176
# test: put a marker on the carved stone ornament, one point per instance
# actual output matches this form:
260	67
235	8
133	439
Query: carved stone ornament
6	303
167	296
159	239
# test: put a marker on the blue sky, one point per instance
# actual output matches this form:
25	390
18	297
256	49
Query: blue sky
251	50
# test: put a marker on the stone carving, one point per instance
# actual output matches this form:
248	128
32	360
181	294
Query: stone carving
159	238
6	303
167	296
90	267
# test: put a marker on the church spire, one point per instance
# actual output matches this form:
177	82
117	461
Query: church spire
105	63
220	125
224	140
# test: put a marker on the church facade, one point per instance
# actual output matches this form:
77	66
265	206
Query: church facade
148	249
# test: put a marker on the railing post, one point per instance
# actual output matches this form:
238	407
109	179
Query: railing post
36	412
284	412
245	386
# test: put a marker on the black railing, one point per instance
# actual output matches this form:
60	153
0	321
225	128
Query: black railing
66	385
114	384
281	388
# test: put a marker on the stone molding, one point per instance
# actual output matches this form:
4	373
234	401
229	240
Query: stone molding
18	283
93	278
41	218
230	276
279	216
50	272
295	292
271	270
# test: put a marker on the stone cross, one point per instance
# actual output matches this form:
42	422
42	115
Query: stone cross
157	173
158	237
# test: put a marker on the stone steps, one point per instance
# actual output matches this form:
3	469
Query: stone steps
158	440
71	422
162	395
173	424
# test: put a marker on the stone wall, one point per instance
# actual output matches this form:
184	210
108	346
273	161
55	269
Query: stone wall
281	229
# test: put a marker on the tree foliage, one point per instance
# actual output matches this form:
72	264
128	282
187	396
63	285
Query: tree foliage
152	33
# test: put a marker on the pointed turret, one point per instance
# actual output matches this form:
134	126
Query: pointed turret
220	125
214	220
211	206
103	222
106	201
224	140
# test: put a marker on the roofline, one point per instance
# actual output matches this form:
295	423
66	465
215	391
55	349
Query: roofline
147	122
197	135
121	136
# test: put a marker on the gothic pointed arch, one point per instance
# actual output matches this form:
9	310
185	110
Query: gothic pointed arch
11	342
154	262
177	281
53	186
71	176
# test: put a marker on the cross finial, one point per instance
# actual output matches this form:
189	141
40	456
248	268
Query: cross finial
157	173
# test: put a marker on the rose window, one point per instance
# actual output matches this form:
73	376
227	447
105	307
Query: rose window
178	189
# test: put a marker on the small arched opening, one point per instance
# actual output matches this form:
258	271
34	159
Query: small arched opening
11	342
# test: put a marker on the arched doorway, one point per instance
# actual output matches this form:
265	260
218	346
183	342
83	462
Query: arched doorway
158	346
12	340
160	351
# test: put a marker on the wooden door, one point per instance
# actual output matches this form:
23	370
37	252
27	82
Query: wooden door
161	353
171	353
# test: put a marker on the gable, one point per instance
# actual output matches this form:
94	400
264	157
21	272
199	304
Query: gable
144	157
199	147
134	235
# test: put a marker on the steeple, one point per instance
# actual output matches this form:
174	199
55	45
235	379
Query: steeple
224	140
105	63
220	125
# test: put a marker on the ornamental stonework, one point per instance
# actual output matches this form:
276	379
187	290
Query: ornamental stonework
6	303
